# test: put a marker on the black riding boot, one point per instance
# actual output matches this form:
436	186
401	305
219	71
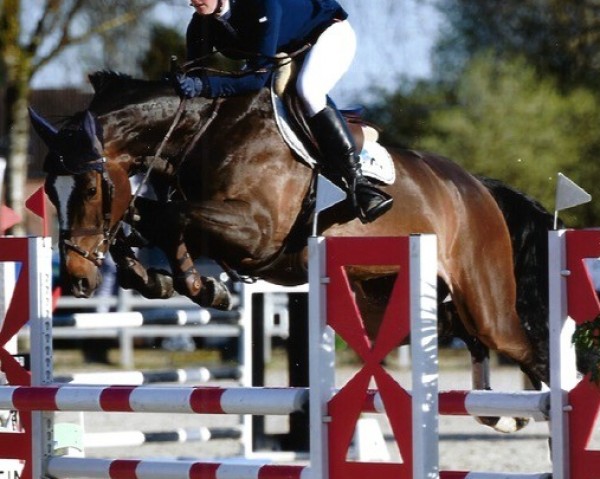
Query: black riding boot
337	145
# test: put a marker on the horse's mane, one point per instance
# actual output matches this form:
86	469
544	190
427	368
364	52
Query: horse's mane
112	87
108	79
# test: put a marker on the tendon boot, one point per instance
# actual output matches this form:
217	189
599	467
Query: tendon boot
337	145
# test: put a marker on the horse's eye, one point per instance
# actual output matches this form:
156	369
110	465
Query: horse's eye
91	192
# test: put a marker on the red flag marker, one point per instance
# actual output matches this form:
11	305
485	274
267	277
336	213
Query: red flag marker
36	203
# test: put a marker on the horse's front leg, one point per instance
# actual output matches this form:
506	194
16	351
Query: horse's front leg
132	274
163	225
203	290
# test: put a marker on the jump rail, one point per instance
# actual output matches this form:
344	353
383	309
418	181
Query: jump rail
37	401
137	438
134	319
198	400
179	376
127	468
333	413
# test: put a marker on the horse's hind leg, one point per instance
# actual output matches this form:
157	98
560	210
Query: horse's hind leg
501	331
485	298
480	369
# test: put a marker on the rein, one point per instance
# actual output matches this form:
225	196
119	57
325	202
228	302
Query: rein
109	234
276	61
153	163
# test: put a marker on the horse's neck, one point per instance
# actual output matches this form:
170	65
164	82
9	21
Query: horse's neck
135	134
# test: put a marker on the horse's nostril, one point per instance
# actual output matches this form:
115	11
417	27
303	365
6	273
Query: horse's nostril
84	284
80	287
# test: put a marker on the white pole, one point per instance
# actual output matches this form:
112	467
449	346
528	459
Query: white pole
562	354
321	358
424	353
39	265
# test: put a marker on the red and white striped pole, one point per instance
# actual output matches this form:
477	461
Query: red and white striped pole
185	400
128	468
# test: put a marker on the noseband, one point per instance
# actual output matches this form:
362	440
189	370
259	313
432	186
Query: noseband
96	256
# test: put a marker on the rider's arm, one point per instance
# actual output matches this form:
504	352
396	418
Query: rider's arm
264	25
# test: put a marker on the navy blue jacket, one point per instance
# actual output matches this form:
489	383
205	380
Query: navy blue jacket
261	28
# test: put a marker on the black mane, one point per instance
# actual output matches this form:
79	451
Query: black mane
103	79
112	89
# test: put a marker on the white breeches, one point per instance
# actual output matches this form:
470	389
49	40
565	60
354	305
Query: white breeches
326	62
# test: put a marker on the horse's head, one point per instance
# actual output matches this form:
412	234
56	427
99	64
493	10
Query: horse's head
90	194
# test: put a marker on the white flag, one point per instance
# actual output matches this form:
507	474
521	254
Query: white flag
569	193
328	194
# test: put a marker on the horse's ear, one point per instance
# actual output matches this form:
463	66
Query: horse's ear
89	126
97	79
43	128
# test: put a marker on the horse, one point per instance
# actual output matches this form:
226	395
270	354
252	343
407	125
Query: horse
528	224
238	194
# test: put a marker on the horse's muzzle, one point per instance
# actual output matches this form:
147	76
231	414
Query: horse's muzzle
84	281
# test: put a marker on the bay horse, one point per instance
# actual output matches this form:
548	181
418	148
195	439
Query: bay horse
239	196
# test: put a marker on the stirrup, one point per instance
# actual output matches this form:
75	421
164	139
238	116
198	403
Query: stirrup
377	202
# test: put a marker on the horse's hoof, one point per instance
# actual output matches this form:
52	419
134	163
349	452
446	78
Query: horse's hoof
214	294
505	425
128	278
160	284
151	284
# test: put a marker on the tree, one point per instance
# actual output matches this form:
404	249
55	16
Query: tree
508	123
165	42
405	114
559	37
30	39
514	95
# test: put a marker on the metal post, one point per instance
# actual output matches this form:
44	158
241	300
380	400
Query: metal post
39	265
424	353
321	358
562	354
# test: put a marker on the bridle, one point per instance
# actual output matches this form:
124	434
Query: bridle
95	255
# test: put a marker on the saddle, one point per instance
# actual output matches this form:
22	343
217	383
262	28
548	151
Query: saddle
291	120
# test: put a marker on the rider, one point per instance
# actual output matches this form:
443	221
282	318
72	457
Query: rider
258	30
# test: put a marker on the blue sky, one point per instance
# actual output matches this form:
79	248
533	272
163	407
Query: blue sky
395	37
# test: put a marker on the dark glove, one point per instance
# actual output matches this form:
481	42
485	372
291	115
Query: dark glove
188	87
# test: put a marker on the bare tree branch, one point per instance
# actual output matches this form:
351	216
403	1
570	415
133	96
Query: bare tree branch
66	40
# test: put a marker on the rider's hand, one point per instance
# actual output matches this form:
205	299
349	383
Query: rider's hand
188	87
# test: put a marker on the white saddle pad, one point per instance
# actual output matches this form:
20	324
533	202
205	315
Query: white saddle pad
376	161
